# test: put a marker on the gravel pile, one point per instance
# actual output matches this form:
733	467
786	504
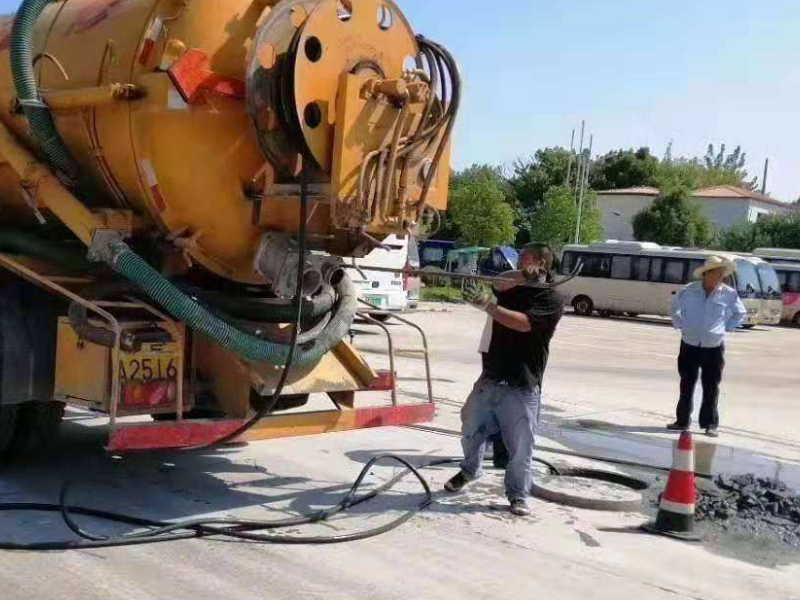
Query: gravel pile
762	506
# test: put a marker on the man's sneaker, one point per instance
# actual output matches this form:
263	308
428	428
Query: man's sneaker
456	483
677	427
520	508
712	432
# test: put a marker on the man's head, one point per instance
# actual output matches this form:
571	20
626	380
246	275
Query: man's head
714	271
535	260
712	278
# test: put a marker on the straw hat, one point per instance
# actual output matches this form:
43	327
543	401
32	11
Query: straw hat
715	262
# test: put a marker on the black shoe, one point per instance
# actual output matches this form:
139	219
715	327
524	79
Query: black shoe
520	508
456	483
712	432
677	427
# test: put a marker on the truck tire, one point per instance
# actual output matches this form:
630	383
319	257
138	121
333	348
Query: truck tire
796	320
37	427
8	422
583	306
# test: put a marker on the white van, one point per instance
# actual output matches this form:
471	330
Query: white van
388	291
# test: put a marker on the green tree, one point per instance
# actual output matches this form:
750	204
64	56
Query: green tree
674	220
448	230
742	237
715	168
623	169
555	219
533	177
481	213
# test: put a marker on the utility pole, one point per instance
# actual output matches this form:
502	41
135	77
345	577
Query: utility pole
764	180
583	185
571	154
579	174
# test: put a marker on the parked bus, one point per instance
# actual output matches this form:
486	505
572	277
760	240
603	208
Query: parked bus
433	253
771	309
636	278
787	266
501	260
388	291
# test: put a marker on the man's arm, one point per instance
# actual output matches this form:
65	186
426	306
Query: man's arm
517	277
737	311
677	310
510	318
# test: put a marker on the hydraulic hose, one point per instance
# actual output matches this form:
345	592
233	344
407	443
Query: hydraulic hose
125	261
38	114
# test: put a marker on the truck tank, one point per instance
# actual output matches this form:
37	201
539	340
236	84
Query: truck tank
173	140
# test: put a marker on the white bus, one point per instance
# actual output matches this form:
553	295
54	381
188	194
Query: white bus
641	278
771	308
787	265
388	291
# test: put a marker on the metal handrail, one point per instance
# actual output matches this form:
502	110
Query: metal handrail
425	347
369	319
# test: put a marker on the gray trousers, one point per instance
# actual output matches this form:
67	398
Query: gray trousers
514	412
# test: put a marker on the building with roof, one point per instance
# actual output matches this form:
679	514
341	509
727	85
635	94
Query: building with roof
724	205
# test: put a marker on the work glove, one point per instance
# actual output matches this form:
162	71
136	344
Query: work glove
477	294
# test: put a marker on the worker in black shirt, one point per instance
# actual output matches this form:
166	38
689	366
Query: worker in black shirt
506	397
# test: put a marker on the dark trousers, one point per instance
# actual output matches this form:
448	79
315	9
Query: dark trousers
708	363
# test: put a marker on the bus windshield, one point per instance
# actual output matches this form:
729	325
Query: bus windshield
747	283
769	281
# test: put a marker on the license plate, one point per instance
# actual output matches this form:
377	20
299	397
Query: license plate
153	362
376	301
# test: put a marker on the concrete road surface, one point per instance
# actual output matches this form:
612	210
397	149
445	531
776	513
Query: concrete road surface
610	389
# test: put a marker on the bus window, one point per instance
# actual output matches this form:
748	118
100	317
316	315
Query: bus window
641	268
656	264
793	283
621	267
770	285
674	271
783	279
567	263
596	265
693	266
747	283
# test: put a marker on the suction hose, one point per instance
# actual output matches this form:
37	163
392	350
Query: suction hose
166	294
38	114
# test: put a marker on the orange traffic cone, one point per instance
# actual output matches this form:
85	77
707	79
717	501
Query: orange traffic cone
676	513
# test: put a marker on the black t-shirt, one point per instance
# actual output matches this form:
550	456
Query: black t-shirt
520	358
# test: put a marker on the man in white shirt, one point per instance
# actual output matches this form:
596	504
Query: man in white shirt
704	311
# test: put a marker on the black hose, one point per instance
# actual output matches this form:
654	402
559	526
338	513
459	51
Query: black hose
264	310
166	531
243	529
17	241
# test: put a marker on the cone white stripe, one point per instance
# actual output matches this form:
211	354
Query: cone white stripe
683	460
677	507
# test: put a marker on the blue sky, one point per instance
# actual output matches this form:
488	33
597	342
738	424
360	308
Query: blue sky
640	73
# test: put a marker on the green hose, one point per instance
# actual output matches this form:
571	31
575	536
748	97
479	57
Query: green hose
38	114
167	295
